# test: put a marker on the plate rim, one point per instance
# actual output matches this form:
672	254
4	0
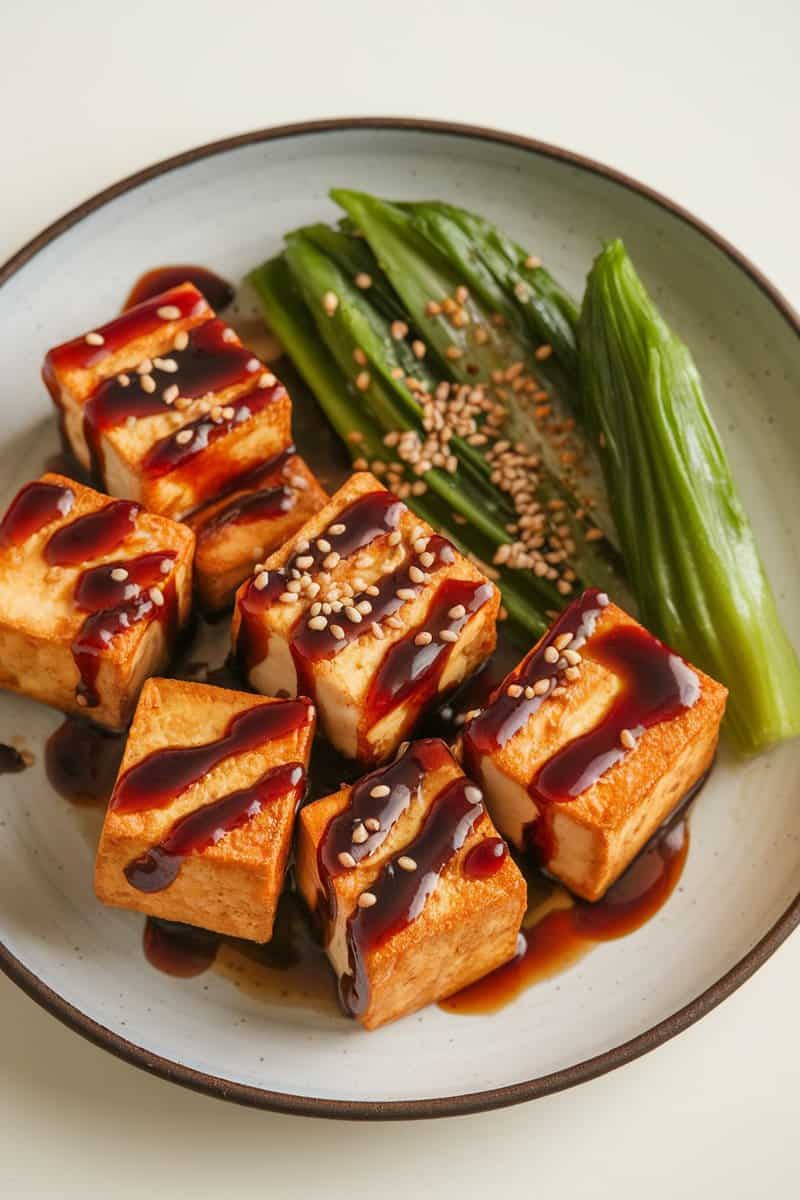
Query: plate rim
470	1102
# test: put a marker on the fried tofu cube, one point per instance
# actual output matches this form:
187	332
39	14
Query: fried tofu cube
415	894
591	742
165	404
200	822
93	594
368	611
255	515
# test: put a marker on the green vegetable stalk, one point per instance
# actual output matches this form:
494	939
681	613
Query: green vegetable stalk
689	548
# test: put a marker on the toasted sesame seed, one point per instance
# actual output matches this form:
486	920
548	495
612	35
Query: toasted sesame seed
288	598
562	641
266	379
457	612
165	566
602	600
406	864
147	383
353	615
337	632
82	700
171	393
318	622
532	262
184	436
338	528
572	657
394	622
331	560
423	639
346	859
181	340
541	686
448	635
363	380
453	352
551	654
399	329
228	412
427	559
405	593
416	574
419	348
363	280
123	380
514	691
572	673
229	335
119	574
168	312
330	302
394	537
367	899
627	739
543	352
157	596
261	580
379	791
323	546
376	629
521	290
94	339
372	590
359	834
305	561
372	824
165	364
364	607
130	421
144	367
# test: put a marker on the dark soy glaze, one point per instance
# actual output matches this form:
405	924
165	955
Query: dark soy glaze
11	761
485	859
159	866
96	589
180	950
34	506
263	505
401	895
164	774
411	670
81	761
271	472
92	535
217	291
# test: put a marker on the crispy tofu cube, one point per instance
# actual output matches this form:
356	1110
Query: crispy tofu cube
199	826
165	404
255	515
93	593
415	894
591	742
368	611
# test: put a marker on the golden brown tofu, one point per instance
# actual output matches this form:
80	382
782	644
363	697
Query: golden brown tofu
591	742
93	593
370	612
165	403
199	825
415	894
253	517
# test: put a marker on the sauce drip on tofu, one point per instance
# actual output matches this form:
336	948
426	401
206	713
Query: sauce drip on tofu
93	535
485	859
11	760
179	950
263	480
111	584
217	291
34	506
81	762
161	776
159	866
401	894
132	325
412	670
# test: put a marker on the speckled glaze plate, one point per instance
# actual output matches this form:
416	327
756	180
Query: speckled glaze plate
226	205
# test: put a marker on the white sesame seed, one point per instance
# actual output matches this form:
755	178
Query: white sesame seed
130	421
165	364
144	367
627	739
330	302
337	632
171	393
364	607
572	657
405	594
376	629
81	699
346	859
168	312
394	537
372	590
184	437
94	339
602	600
323	546
367	899
363	280
181	340
448	635
331	560
406	864
261	580
541	686
363	380
337	529
123	380
416	575
379	791
287	598
562	641
228	412
457	612
514	691
419	349
119	574
551	654
165	566
529	693
572	673
305	561
266	379
360	834
423	639
157	596
353	615
148	384
427	559
399	329
372	824
294	585
318	622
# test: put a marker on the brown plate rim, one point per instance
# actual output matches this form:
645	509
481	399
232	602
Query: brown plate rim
492	1098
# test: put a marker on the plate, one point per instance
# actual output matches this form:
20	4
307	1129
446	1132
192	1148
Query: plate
226	205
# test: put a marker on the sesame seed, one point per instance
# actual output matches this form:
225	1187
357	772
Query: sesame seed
266	379
359	356
372	590
602	600
532	262
229	335
165	364
457	612
367	899
171	393
157	596
419	349
346	859
119	574
462	294
288	598
353	615
398	329
123	380
144	367
261	580
184	436
337	632
379	791
416	575
558	691
453	352
543	352
94	339
331	560
305	561
572	657
376	629
130	421
394	622
423	639
363	280
228	412
562	641
448	635
551	654
406	864
372	824
627	739
148	384
337	529
330	302
514	691
394	537
181	340
81	699
168	312
572	673
363	380
541	686
521	290
405	593
359	835
364	607
165	566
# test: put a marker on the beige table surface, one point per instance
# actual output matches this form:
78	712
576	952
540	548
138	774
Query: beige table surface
700	100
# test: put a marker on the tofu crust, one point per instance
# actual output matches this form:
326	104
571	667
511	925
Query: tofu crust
233	885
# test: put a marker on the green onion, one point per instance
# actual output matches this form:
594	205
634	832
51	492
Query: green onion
689	548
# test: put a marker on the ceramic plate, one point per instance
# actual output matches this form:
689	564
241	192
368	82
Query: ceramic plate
226	206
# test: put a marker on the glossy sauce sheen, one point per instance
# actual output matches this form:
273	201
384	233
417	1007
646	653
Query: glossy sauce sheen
34	506
96	589
11	761
82	760
401	895
101	628
158	779
217	291
271	473
179	950
159	866
409	670
485	859
93	535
